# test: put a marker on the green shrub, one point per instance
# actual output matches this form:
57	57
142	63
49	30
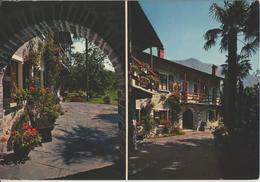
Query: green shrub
42	107
106	99
79	96
148	122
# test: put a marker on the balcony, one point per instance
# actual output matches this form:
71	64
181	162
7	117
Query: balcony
143	76
199	98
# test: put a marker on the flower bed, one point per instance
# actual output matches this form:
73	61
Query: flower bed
25	140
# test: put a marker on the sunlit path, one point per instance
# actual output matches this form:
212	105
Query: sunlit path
84	138
189	156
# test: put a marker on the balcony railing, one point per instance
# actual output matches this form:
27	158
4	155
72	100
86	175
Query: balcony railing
199	98
142	75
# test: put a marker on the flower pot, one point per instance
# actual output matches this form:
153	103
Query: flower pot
46	134
21	152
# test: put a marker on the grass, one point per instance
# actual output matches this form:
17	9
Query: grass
99	99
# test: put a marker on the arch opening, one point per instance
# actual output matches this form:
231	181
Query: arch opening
102	27
187	119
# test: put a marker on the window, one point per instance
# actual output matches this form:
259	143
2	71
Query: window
195	88
204	88
163	82
160	115
171	83
184	86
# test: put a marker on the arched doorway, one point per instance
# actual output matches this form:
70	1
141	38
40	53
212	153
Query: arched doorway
187	119
101	23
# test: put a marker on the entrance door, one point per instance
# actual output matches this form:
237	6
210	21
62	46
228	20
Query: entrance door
187	119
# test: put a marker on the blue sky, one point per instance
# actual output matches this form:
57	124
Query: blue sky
181	24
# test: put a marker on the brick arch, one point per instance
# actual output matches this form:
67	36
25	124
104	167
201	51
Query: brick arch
101	22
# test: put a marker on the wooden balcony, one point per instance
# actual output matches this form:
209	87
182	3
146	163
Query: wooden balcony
143	76
199	98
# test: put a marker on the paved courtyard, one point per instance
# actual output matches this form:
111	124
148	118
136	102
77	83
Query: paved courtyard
189	156
86	137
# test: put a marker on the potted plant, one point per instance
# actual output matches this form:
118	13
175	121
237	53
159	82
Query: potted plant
43	109
25	140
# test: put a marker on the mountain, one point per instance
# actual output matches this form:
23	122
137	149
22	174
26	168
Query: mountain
248	81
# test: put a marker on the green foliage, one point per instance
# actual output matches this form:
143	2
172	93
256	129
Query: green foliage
79	96
52	56
238	19
23	119
146	118
148	122
106	99
174	102
27	137
239	147
98	99
42	107
100	80
19	95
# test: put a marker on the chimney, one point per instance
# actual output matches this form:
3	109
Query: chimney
214	70
160	53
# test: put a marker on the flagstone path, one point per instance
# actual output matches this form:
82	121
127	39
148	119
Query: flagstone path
84	138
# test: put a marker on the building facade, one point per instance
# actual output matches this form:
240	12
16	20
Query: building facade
200	93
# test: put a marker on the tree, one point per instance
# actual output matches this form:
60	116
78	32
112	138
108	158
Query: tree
99	79
235	19
52	62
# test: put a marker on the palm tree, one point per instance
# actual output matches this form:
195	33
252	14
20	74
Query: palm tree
235	20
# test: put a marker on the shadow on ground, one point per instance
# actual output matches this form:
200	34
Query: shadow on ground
82	143
113	172
179	159
112	118
12	158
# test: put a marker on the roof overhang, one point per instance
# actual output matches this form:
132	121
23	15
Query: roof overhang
143	35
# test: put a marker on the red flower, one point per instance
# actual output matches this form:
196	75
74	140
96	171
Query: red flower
66	110
32	89
13	133
3	139
26	126
34	131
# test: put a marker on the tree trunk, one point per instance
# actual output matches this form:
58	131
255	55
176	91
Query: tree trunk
231	82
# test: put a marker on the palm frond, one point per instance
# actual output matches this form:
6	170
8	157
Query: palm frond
251	28
250	48
244	67
211	37
224	43
217	12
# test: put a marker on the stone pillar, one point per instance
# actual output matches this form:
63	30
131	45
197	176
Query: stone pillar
3	144
20	75
1	102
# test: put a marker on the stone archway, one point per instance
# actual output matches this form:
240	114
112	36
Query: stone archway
102	23
187	119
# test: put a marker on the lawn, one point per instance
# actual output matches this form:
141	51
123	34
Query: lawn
99	99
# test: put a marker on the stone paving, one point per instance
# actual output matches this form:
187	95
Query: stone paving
189	156
84	138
